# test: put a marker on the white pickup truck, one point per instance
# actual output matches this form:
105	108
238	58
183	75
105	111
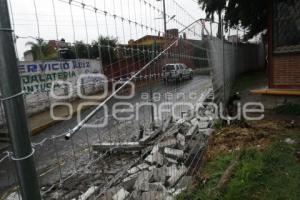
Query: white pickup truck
177	72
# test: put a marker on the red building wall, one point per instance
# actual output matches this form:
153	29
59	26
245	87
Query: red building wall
286	71
283	68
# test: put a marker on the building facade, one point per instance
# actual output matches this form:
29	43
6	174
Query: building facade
284	44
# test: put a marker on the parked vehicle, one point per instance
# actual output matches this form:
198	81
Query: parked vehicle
177	72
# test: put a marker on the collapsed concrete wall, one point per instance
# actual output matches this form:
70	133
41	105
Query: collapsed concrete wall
158	164
170	157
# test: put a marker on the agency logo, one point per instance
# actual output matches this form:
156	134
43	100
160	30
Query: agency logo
127	108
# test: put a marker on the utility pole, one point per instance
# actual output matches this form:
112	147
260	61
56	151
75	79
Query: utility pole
165	17
151	90
13	104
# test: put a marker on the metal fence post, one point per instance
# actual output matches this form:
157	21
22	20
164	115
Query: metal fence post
223	64
14	107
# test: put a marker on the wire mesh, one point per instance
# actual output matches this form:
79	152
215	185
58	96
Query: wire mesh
125	41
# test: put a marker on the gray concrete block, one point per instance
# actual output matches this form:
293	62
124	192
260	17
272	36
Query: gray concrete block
155	159
121	195
133	170
181	141
191	131
157	187
170	161
174	153
143	166
117	146
176	174
129	182
158	175
142	182
153	195
169	142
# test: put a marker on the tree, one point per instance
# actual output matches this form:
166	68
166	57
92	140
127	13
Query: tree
80	50
42	50
250	15
107	47
211	7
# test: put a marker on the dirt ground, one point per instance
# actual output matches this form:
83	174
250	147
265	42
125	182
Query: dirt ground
254	157
257	135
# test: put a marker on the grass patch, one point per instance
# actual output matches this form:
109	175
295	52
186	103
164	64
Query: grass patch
218	125
273	173
214	170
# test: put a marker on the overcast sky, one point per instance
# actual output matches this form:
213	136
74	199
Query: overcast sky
26	24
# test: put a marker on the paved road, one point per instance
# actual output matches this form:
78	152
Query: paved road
77	152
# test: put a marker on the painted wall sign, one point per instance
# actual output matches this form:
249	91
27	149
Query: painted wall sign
39	76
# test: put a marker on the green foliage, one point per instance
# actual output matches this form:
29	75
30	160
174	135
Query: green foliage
42	50
80	50
273	174
270	174
251	15
246	177
218	124
107	49
215	170
211	7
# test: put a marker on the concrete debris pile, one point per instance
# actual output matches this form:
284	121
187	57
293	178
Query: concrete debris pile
156	165
164	172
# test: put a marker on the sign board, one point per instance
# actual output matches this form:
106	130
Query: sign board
38	76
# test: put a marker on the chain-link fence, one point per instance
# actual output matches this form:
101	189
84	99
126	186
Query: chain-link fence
152	142
136	57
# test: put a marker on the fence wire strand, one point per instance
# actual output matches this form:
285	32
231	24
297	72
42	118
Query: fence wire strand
126	42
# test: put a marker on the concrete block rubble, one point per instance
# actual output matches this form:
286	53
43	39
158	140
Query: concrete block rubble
158	166
167	167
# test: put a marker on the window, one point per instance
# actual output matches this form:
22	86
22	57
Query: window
168	68
286	26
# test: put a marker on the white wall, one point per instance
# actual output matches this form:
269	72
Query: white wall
229	60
